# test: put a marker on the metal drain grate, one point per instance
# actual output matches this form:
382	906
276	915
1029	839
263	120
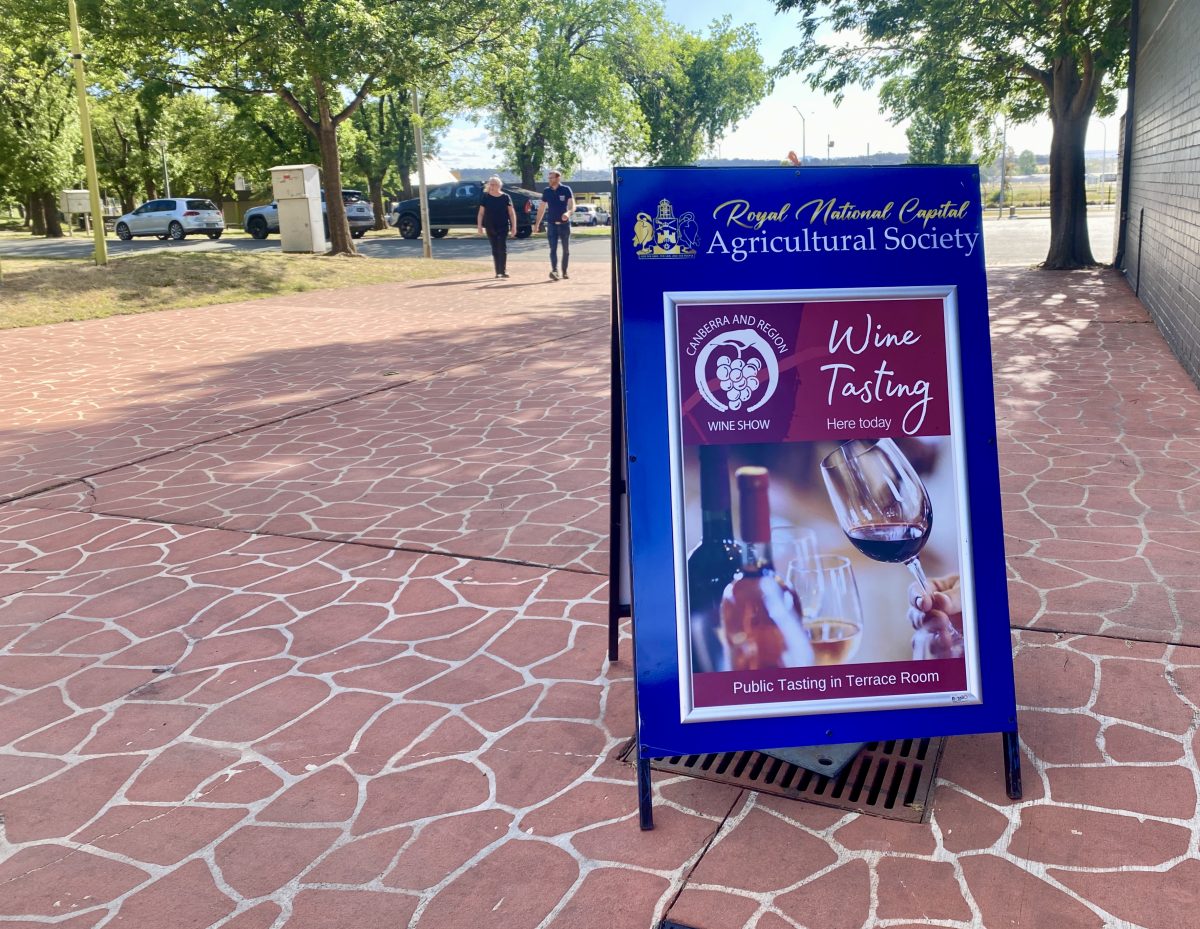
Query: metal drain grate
889	779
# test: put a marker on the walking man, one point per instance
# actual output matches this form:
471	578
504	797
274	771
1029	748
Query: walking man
557	204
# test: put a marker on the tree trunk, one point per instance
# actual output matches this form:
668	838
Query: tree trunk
37	216
1072	98
1070	246
340	242
375	187
528	174
54	229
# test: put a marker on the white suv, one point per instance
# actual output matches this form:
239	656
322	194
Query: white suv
588	215
175	218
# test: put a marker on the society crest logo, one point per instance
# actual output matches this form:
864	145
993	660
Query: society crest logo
665	235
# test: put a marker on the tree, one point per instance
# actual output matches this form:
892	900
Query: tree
127	122
557	84
937	133
205	149
270	135
1027	162
1063	58
39	131
691	89
385	146
320	57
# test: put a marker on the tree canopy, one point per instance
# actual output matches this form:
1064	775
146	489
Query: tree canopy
1065	59
218	88
322	58
616	74
39	127
555	85
691	88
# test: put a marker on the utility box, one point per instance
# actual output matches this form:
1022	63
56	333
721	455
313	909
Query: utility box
297	190
75	201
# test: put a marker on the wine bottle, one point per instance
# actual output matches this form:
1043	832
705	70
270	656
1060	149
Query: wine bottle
713	563
760	614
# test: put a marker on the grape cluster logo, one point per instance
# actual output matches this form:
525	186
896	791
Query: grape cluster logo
737	371
665	235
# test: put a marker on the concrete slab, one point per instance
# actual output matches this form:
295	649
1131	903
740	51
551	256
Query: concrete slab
292	714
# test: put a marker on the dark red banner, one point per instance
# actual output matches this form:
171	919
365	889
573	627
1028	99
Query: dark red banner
829	682
812	371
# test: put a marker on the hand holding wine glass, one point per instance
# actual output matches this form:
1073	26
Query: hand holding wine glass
881	504
937	619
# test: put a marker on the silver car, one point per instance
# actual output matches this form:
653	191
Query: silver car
261	221
174	218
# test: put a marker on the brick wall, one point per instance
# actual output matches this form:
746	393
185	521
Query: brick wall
1162	248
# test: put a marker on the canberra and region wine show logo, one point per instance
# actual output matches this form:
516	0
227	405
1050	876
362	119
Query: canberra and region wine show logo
666	235
736	371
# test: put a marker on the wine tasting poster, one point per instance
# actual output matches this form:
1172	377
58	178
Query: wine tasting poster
815	535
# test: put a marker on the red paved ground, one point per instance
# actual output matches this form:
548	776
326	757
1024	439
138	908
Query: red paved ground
299	641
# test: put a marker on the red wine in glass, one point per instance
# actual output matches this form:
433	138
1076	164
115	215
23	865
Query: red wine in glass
893	542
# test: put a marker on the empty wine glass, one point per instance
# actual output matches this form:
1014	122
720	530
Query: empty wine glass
795	544
835	623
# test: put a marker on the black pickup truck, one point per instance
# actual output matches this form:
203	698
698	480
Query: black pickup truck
457	204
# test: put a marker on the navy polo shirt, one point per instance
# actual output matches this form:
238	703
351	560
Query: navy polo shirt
556	200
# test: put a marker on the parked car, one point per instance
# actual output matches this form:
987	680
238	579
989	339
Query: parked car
261	221
173	218
588	215
457	204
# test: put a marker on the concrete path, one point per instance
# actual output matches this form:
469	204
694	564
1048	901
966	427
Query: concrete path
302	624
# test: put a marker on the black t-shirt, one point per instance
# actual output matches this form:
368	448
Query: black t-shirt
495	210
556	200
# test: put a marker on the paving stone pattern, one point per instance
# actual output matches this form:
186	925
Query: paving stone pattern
286	641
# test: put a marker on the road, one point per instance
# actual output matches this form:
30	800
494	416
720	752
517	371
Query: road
1007	243
461	247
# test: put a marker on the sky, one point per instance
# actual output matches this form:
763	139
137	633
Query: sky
775	127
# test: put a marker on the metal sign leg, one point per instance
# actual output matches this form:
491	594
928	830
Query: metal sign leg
645	793
616	480
1012	765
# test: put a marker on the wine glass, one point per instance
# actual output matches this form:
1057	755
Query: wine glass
795	544
835	623
881	504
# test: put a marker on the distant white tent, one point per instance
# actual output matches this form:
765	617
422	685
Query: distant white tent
437	173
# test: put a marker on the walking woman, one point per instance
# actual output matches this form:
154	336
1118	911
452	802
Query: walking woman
499	219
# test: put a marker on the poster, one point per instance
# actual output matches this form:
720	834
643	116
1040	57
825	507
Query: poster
845	406
814	510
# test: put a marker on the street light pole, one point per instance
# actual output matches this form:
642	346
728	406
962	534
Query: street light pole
1103	161
162	147
422	190
1003	167
85	128
803	133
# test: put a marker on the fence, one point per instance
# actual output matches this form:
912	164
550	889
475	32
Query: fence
1039	194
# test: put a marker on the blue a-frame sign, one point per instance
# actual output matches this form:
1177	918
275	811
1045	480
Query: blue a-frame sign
804	388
